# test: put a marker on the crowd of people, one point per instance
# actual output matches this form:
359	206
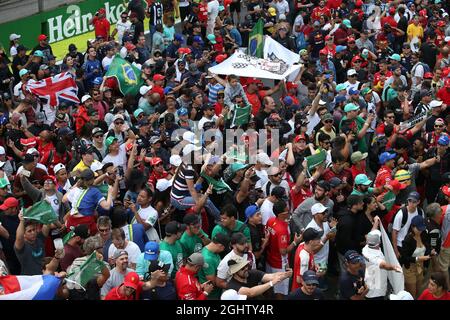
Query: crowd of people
180	216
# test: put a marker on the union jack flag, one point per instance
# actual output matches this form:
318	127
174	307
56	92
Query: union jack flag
55	90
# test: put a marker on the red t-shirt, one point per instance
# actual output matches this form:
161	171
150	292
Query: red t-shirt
43	149
384	176
356	171
444	95
255	100
305	258
318	12
202	13
377	78
389	20
297	197
101	27
426	295
114	294
278	239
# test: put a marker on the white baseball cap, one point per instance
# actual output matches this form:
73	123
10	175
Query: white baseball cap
351	72
189	136
175	160
32	150
232	294
85	98
264	159
2	150
401	295
189	148
14	36
58	167
144	89
318	208
163	184
436	103
96	165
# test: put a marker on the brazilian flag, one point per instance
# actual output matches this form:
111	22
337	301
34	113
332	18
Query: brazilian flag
128	76
255	42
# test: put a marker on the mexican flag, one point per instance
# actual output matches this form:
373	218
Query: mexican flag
89	269
42	212
241	116
388	200
128	76
255	40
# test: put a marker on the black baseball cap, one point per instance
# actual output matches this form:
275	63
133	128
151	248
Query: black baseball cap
29	158
81	231
174	227
311	234
279	193
223	239
190	219
87	174
238	238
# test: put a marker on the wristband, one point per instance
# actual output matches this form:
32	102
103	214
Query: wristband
205	293
322	243
271	283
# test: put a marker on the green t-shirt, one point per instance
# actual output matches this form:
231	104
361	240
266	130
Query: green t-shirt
192	243
237	228
176	250
359	193
362	144
213	260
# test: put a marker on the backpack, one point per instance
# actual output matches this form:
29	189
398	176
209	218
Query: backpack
426	68
404	212
301	41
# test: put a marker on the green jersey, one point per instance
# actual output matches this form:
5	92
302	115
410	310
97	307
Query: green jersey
176	250
192	243
213	260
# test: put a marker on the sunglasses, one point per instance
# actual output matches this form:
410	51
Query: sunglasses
438	126
98	136
48	182
352	76
352	42
119	122
390	117
328	121
103	230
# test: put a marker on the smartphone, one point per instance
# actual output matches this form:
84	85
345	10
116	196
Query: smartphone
26	173
121	171
58	242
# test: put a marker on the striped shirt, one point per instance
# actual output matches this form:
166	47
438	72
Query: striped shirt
213	90
180	189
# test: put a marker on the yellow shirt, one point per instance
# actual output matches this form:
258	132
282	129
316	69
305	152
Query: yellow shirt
414	31
81	166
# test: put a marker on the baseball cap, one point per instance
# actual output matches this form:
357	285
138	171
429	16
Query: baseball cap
365	91
418	222
395	57
38	53
58	167
97	130
251	211
190	219
401	295
23	72
178	37
353	91
158	77
85	98
311	234
120	253
310	277
351	72
362	179
374	238
174	227
28	158
340	48
197	39
2	150
236	264
402	175
87	174
386	156
425	93
443	140
358	156
279	193
151	251
350	107
42	37
158	265
318	208
341	86
300	137
10	202
98	81
232	294
175	160
264	159
96	166
325	185
182	112
439	121
339	99
131	280
211	38
334	182
347	23
272	11
414	195
353	257
109	141
436	103
222	238
82	231
197	259
428	75
4	183
14	36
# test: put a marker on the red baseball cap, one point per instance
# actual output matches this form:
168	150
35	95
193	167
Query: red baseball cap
423	12
351	39
299	137
328	37
291	85
391	10
358	3
323	51
42	37
253	80
49	177
397	185
221	58
445	190
131	280
447	82
102	11
158	77
428	75
9	203
155	161
441	23
30	142
130	46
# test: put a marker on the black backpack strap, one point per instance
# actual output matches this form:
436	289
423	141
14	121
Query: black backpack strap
269	184
404	215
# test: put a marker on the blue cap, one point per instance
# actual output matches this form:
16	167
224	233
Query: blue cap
98	80
251	211
287	101
151	250
182	111
197	39
353	91
310	277
167	90
414	195
418	222
178	37
339	99
127	39
340	48
443	140
386	156
351	256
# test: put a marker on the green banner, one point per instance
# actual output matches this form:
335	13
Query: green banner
316	159
256	40
42	212
241	116
87	270
127	75
388	200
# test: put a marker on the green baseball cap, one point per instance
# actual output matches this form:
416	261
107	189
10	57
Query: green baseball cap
211	38
109	141
365	91
362	179
137	112
38	53
395	57
347	23
235	167
3	183
341	86
350	107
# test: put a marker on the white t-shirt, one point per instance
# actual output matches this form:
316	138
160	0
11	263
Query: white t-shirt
150	216
119	160
417	71
375	278
13	51
282	7
267	211
213	10
54	202
122	27
321	257
222	269
397	225
351	85
106	62
17	91
313	122
283	184
203	120
263	178
132	249
39	165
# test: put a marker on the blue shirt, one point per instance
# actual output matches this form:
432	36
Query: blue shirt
234	33
167	292
143	264
89	202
